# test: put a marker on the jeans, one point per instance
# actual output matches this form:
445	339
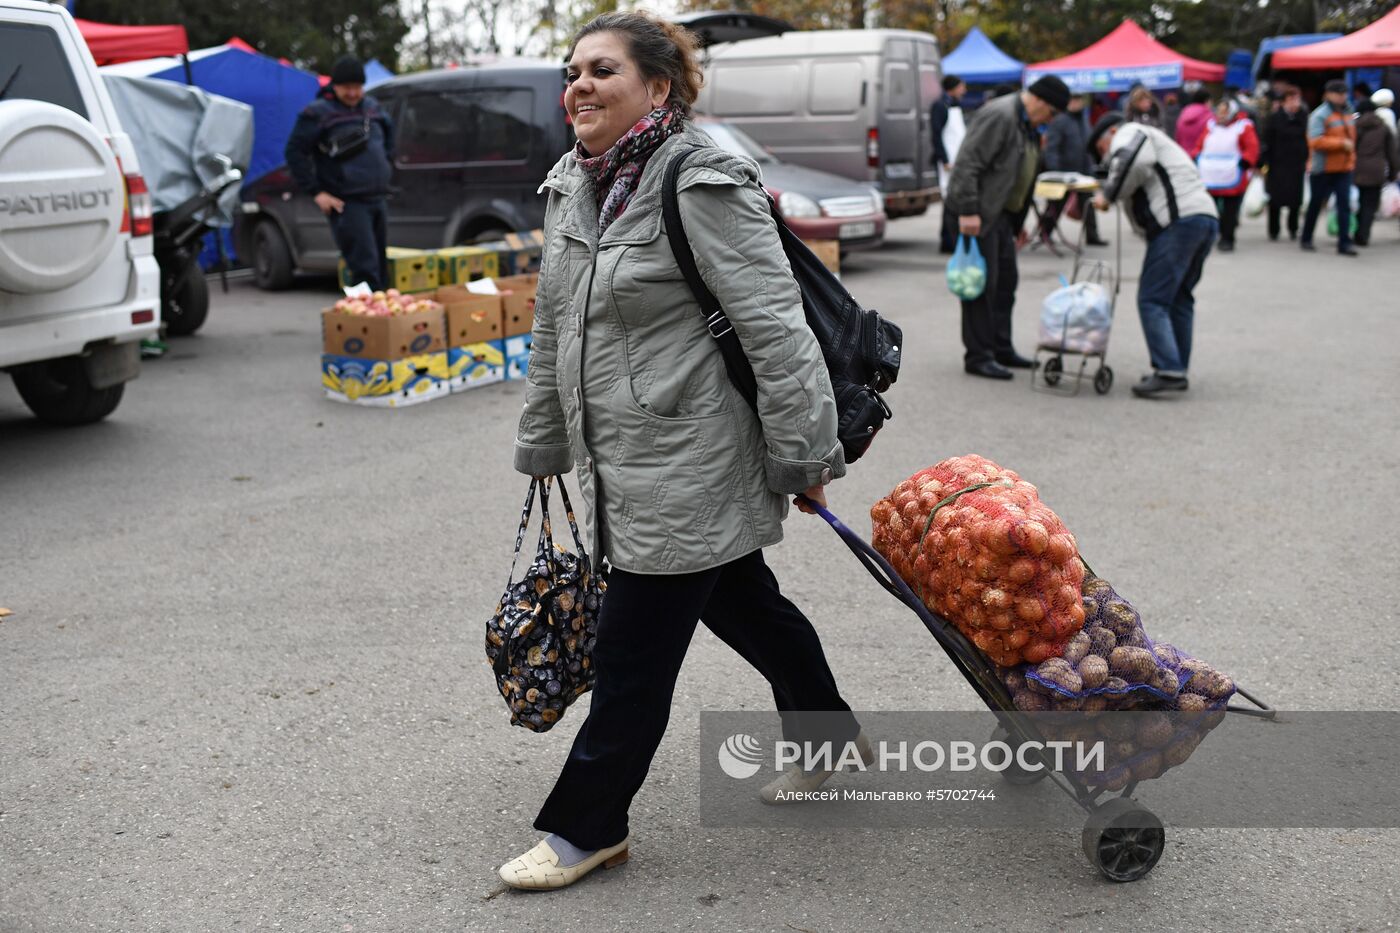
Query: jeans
361	235
1166	306
1367	209
986	320
644	629
1325	185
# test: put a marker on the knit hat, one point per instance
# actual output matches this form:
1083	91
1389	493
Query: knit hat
1383	98
1051	90
1335	86
1105	123
348	70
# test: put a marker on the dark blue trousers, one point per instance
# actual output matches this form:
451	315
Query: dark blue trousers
644	630
361	234
1326	185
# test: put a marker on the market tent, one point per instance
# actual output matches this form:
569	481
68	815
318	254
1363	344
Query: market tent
376	73
1263	59
977	60
111	44
1123	58
276	92
1375	46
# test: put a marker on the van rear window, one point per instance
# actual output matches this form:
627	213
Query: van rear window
452	127
33	66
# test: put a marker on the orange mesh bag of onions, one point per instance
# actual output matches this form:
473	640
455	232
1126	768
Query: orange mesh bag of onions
977	545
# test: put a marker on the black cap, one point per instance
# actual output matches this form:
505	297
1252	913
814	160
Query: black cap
1051	90
348	70
1335	86
1105	123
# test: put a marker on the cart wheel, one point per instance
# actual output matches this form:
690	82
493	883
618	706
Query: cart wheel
1053	368
1103	380
1123	839
1014	774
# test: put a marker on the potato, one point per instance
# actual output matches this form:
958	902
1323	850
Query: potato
1149	766
1191	703
1120	618
1101	641
1013	679
1076	648
1094	704
1093	671
1154	730
1114	685
1167	655
1096	587
1137	638
1176	753
1061	673
1136	665
1210	683
1029	702
1164	680
1117	778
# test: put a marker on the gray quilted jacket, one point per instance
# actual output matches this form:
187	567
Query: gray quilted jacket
625	382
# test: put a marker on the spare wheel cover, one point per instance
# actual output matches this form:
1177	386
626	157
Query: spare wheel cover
61	197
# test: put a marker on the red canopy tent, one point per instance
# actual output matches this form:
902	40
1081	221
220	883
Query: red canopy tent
111	44
1375	46
1124	57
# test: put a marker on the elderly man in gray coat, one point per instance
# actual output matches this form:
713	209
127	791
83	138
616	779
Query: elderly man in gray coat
989	191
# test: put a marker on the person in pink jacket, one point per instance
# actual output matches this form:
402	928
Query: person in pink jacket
1191	125
1226	154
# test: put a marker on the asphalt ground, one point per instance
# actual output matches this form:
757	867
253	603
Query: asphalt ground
243	684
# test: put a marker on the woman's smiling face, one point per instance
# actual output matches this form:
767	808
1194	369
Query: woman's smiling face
606	94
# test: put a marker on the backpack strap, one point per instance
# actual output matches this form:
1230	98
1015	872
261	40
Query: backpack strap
740	372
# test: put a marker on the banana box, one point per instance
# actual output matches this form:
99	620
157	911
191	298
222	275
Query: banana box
518	253
517	356
458	265
410	270
476	365
385	383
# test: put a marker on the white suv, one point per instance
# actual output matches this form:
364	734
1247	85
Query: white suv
79	286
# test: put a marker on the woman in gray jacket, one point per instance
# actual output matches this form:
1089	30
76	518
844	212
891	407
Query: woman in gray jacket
684	483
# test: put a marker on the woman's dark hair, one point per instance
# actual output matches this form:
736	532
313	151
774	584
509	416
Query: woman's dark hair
950	82
1202	96
661	50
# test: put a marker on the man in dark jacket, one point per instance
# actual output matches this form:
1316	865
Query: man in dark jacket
1377	163
1285	161
341	153
988	192
1065	139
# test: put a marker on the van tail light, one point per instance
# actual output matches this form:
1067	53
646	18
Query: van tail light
872	147
138	217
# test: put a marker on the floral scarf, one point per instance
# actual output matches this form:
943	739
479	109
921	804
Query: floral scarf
617	172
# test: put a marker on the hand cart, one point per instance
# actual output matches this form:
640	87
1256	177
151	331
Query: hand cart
1121	837
1049	374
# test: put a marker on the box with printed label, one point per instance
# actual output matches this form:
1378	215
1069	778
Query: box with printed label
518	302
476	365
372	337
385	383
518	356
518	252
410	270
457	265
471	318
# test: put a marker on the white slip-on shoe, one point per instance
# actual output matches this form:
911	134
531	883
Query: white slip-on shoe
795	781
539	869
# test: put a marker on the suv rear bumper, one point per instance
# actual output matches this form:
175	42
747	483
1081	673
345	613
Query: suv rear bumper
60	335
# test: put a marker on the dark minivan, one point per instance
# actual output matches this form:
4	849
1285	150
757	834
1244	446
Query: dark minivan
472	146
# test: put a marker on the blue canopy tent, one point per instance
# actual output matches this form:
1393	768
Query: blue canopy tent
977	60
1263	58
376	73
276	92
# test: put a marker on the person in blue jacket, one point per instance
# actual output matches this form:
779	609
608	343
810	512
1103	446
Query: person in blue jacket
341	153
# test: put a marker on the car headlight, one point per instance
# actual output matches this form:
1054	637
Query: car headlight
792	204
877	201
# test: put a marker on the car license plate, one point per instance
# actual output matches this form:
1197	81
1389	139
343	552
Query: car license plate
855	231
899	170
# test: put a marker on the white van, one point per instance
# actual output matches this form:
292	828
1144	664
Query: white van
854	102
79	285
